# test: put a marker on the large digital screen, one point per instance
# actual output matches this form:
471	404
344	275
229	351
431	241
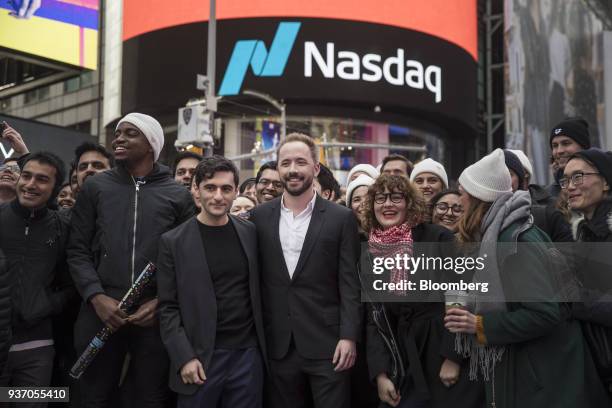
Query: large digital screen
452	20
64	31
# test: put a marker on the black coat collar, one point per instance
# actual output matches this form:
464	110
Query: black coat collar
600	226
27	212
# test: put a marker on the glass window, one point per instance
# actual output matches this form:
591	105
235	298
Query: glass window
72	84
37	95
343	142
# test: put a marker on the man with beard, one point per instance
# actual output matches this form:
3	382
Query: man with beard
33	238
117	221
308	254
184	167
568	137
268	183
90	159
210	305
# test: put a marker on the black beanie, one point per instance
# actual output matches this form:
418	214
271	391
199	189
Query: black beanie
574	128
513	163
601	159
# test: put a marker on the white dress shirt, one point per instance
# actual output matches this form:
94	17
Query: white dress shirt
292	232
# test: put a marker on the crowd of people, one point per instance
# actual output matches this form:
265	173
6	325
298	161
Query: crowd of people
258	297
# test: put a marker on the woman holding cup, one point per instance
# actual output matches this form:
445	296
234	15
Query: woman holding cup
433	373
516	337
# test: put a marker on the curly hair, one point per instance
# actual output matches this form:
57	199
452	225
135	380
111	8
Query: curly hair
416	208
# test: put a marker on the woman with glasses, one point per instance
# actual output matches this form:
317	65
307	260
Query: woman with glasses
447	209
405	335
586	180
518	338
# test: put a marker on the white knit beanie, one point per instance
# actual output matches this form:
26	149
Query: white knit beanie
362	180
488	178
524	161
150	127
366	168
430	166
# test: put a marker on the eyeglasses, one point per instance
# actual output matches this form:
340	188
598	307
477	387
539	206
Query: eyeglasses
396	198
576	179
265	182
442	208
10	167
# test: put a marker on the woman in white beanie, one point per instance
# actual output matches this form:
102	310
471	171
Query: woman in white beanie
362	169
356	198
430	178
516	346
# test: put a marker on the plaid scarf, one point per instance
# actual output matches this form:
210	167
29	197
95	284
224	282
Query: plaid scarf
390	242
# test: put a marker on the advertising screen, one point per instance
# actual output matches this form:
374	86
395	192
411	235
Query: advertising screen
450	20
64	31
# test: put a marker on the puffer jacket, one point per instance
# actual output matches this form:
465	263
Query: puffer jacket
116	225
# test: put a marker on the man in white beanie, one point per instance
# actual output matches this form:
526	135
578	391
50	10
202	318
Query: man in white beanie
526	165
429	176
116	226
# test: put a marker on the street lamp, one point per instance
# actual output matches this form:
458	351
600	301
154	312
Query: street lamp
274	102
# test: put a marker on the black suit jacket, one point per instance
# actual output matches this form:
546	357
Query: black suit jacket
187	301
321	304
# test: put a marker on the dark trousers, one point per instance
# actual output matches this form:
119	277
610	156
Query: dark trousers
29	368
291	375
233	380
147	374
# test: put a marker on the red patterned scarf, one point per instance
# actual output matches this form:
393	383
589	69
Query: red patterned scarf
390	242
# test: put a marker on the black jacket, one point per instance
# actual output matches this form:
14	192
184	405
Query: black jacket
418	328
5	313
547	217
116	226
320	304
187	300
593	251
34	243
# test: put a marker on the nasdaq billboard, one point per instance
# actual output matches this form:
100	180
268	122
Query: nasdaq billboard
409	57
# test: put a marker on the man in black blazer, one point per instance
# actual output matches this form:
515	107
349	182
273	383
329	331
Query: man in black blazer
210	304
308	250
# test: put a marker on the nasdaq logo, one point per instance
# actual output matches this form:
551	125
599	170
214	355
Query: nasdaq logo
263	63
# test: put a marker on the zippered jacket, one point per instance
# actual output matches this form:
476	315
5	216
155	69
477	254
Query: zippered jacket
5	314
34	244
116	225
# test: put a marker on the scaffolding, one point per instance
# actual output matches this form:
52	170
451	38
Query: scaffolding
494	116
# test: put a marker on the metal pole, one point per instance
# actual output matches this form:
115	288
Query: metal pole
283	134
488	79
211	59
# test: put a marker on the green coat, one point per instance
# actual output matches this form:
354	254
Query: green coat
546	362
